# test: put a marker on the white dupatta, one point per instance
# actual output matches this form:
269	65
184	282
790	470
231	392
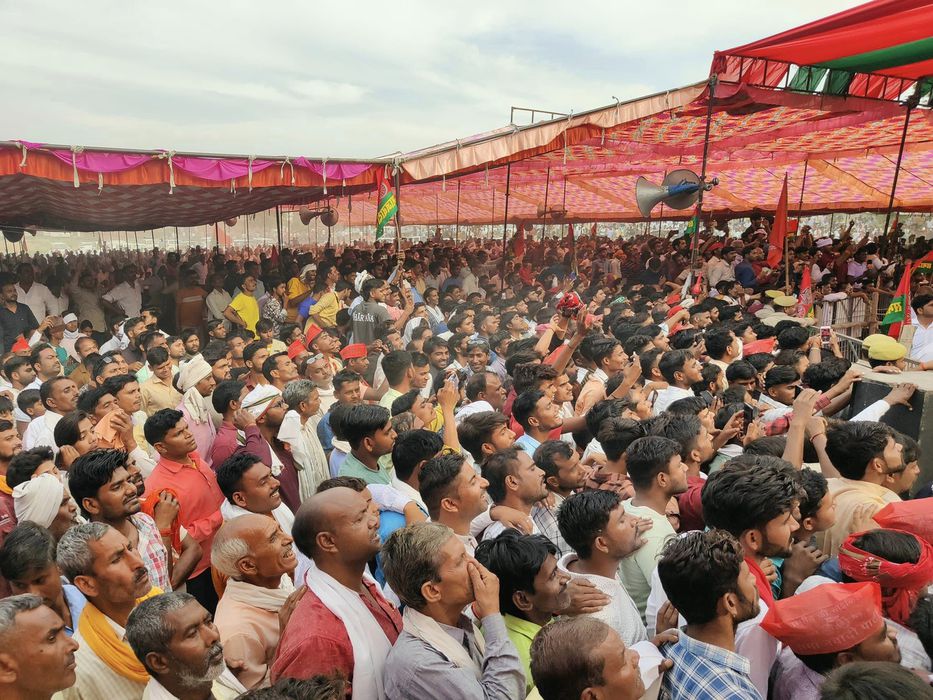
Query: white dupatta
429	631
369	641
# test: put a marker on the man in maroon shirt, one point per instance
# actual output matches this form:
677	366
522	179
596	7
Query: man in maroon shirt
186	476
238	431
10	445
339	530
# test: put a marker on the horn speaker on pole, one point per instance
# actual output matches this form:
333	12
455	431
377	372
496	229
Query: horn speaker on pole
680	189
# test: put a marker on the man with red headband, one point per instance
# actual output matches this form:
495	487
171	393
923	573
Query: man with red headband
822	629
899	562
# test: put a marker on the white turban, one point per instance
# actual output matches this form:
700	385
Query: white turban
39	499
258	400
361	277
193	371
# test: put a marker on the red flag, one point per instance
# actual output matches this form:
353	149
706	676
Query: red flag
593	230
568	239
898	312
805	299
778	230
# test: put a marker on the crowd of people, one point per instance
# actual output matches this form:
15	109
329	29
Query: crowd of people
582	470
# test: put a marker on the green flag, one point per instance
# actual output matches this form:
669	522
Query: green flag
388	206
692	227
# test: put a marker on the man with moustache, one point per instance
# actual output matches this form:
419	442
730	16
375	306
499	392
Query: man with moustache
342	624
37	657
100	485
710	584
107	570
257	557
176	641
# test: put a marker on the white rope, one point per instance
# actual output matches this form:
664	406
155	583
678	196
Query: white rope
287	162
249	172
444	182
100	182
324	173
168	155
25	150
75	150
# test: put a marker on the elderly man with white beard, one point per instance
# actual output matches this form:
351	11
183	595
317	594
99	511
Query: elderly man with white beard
175	639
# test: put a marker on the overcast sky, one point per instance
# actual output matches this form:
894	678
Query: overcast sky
353	78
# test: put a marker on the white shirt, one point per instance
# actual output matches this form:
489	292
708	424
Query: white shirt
921	348
129	298
57	306
39	300
40	432
621	613
668	396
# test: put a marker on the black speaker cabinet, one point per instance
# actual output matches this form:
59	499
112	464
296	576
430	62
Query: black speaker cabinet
917	421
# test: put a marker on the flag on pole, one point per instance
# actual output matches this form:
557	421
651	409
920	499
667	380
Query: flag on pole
898	312
388	206
593	230
804	306
926	263
692	227
568	239
778	230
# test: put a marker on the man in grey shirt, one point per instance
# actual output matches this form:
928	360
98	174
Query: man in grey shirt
440	653
369	317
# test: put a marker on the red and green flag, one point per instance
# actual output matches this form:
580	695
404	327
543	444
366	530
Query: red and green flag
692	227
898	312
926	263
388	206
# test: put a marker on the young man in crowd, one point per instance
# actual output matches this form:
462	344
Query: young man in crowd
532	589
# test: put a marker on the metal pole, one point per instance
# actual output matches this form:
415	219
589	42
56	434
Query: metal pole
247	230
457	229
547	186
278	225
505	224
177	244
398	209
912	102
695	243
136	238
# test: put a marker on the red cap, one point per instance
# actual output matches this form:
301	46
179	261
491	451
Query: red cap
313	332
296	349
829	618
20	345
353	352
915	517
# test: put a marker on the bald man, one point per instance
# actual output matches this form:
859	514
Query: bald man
339	531
258	559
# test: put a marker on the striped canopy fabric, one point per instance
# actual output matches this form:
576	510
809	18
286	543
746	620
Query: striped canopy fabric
880	50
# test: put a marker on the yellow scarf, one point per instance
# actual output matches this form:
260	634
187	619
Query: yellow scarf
100	636
4	488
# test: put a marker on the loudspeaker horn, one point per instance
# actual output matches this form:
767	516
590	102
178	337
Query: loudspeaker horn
13	235
329	217
231	221
306	214
551	213
679	190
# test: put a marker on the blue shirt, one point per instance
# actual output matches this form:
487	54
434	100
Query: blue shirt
325	434
706	672
389	522
305	306
75	601
745	274
528	443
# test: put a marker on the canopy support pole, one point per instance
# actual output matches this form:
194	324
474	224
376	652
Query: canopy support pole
398	209
278	224
695	243
177	244
547	186
457	225
505	224
247	230
912	102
